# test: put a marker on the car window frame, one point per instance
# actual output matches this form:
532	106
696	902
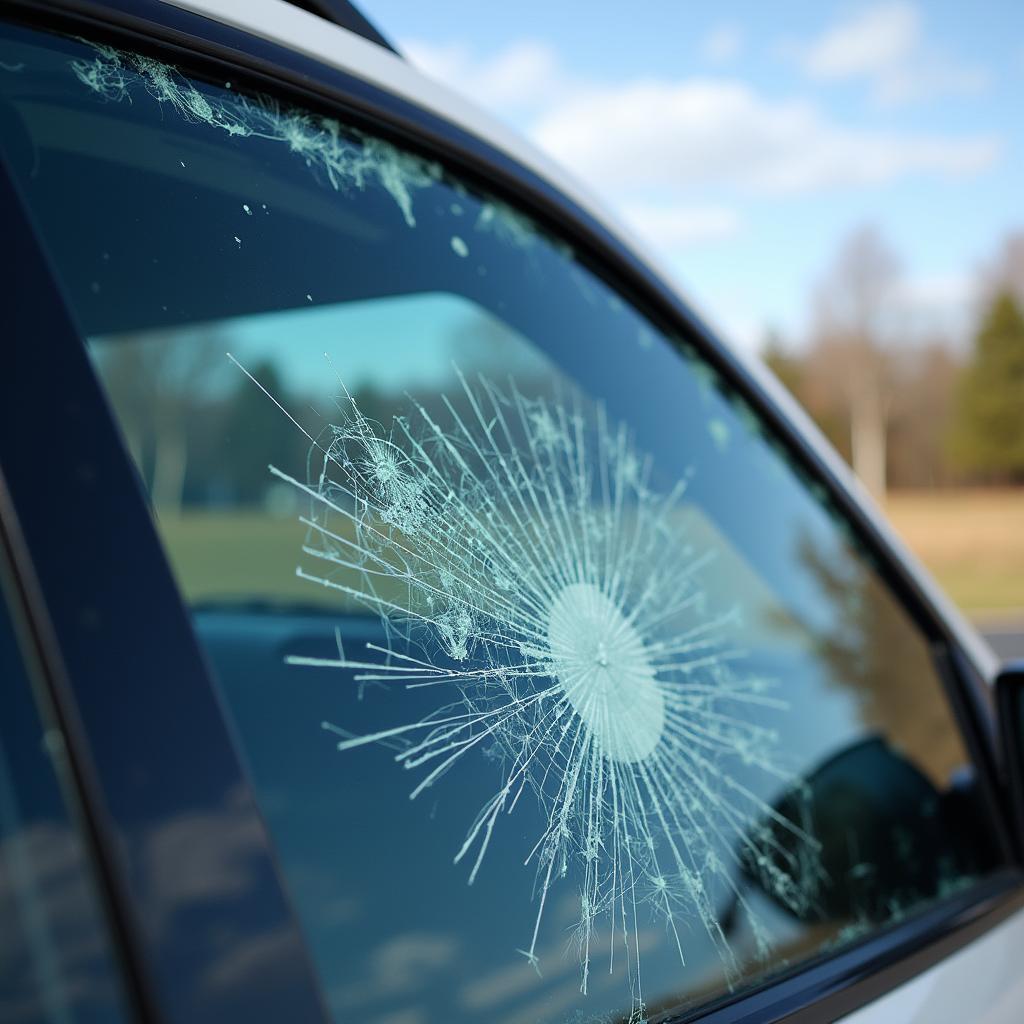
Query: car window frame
831	983
37	688
85	621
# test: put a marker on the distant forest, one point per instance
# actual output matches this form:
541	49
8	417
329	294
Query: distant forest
913	405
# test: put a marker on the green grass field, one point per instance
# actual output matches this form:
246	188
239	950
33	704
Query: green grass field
973	542
239	555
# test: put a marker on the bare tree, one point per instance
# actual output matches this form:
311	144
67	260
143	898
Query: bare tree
156	381
855	314
924	376
1003	274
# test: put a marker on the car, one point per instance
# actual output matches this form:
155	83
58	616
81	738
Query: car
412	611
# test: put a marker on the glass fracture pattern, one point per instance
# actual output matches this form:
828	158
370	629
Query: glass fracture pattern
527	569
345	157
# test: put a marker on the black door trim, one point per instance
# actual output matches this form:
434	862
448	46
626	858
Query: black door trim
158	774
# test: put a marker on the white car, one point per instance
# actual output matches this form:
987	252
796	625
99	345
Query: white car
412	612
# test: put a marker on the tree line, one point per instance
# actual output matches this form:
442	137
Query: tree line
913	404
909	405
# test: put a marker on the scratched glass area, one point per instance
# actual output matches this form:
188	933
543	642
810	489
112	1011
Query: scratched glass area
566	693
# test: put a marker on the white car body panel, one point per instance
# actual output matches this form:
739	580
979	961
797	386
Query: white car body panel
981	983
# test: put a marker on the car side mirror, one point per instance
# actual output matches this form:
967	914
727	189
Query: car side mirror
882	828
877	819
1010	709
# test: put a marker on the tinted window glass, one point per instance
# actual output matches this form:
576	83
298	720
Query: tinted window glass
519	554
56	965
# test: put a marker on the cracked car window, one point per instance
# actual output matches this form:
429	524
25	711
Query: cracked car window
566	694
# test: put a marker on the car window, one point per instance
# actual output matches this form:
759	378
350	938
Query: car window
57	964
565	692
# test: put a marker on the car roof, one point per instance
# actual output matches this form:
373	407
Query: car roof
347	15
299	29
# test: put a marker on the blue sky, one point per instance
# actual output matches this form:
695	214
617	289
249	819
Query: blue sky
746	140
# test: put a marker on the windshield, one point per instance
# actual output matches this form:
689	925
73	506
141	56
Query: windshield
460	522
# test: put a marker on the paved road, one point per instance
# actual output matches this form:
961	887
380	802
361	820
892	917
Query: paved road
1006	643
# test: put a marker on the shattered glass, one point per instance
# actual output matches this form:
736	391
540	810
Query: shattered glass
523	539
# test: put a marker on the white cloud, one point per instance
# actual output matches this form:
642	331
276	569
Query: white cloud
696	132
663	151
939	290
871	42
928	78
723	43
938	303
520	76
885	45
670	226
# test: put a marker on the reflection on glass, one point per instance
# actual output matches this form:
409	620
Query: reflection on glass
56	965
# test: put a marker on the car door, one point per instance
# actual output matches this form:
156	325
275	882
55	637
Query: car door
513	655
